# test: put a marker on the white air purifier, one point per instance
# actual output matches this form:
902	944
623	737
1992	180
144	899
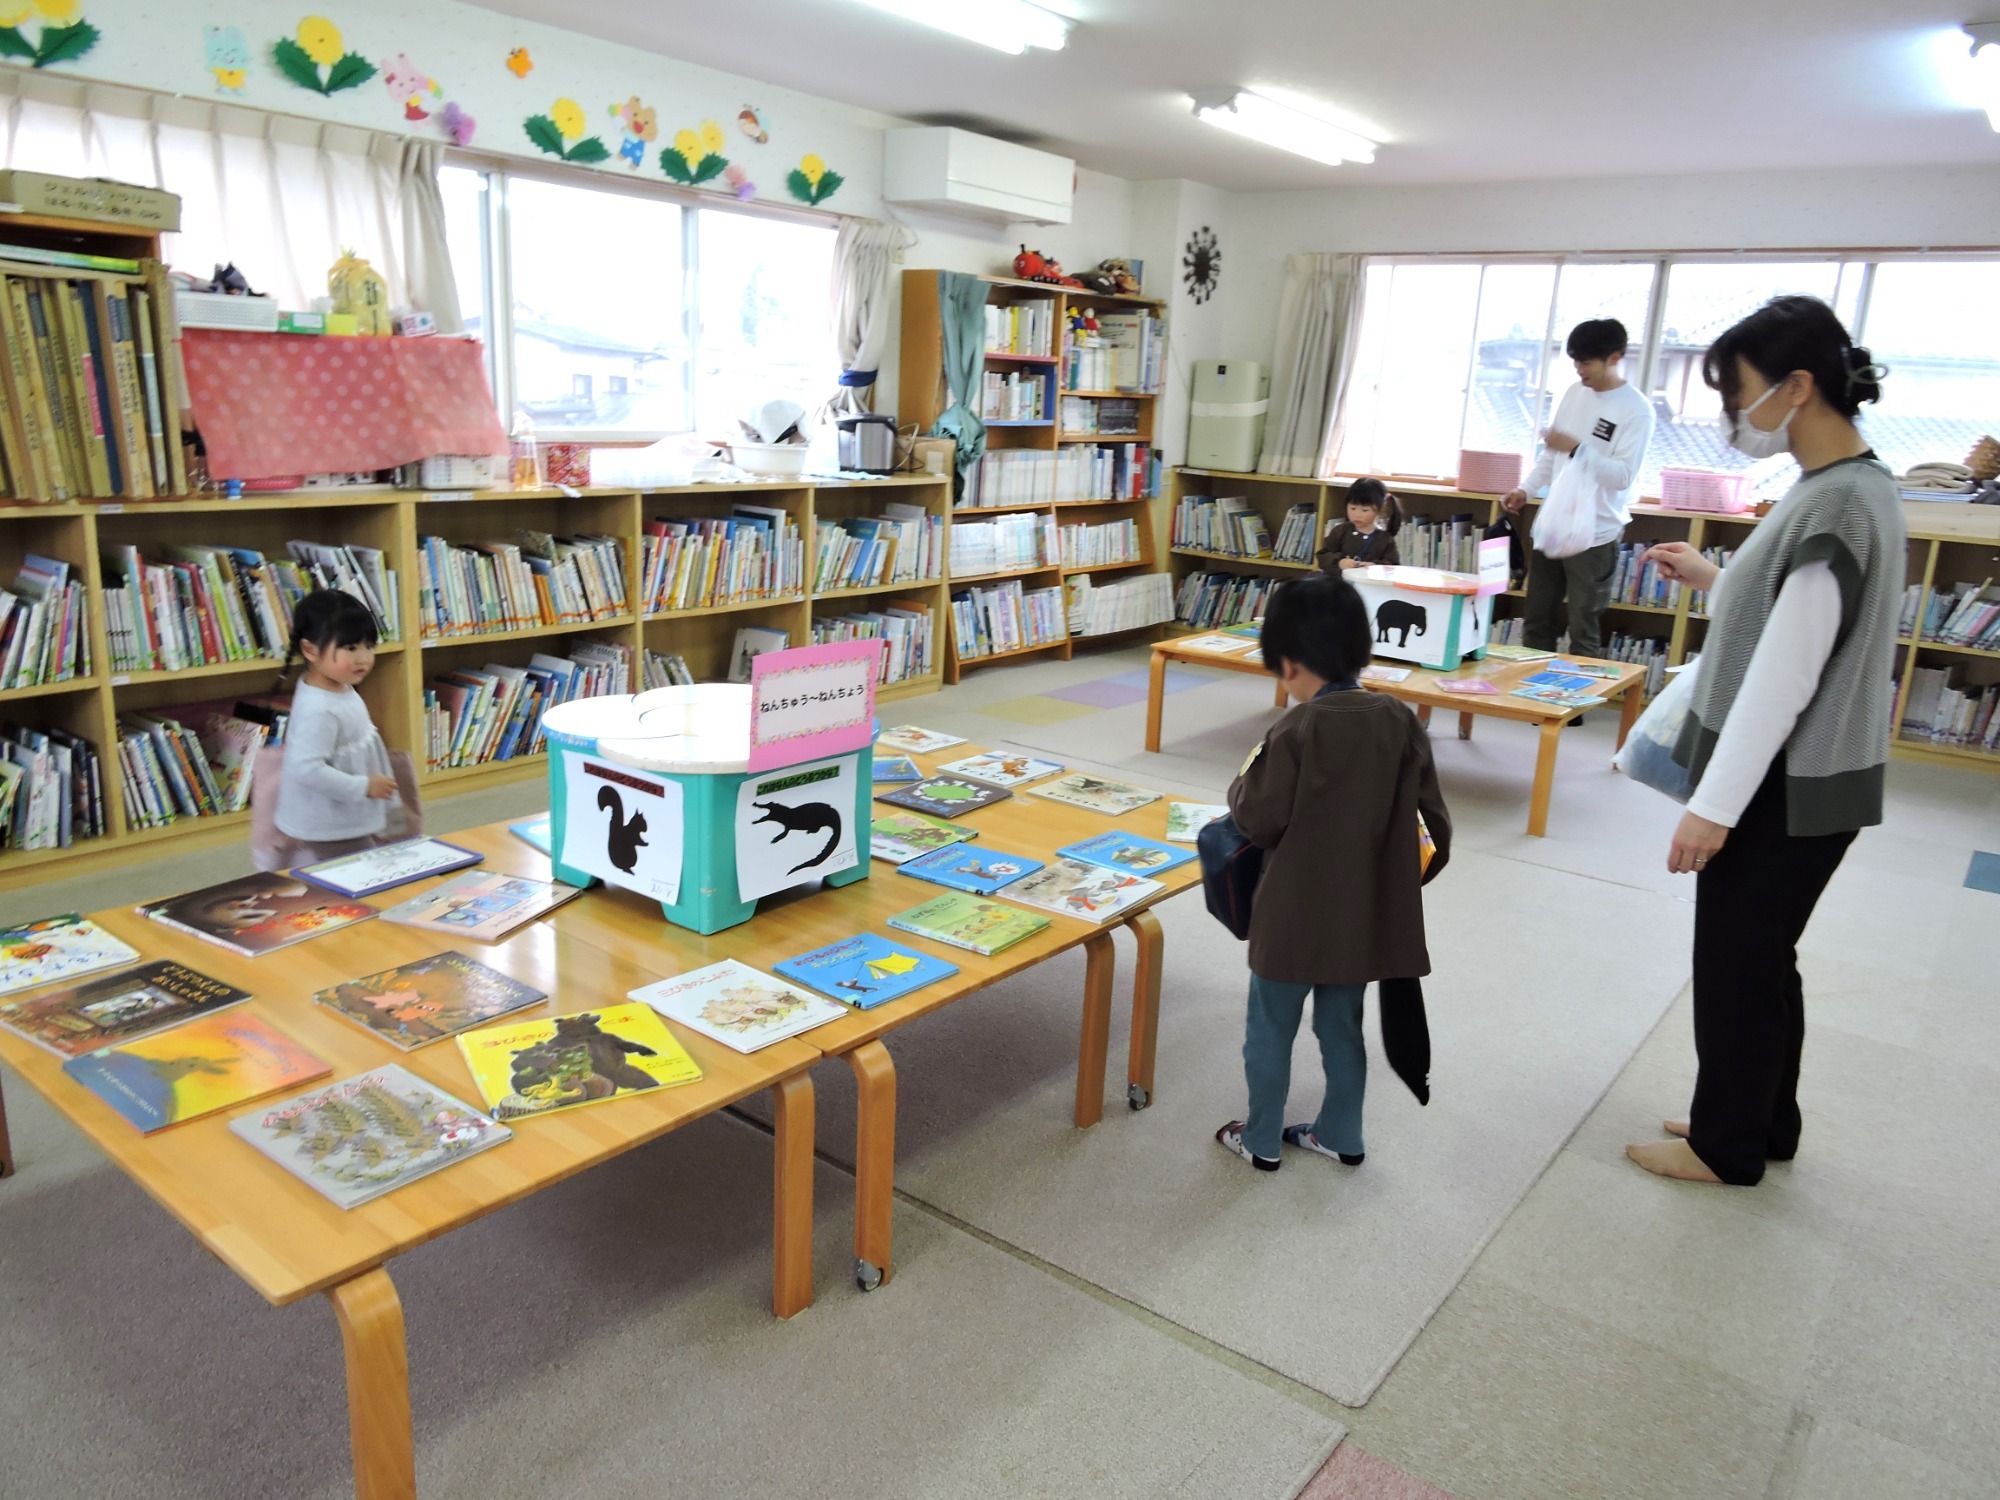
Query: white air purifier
1226	417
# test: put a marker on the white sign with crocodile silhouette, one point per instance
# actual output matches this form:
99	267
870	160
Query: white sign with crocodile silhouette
795	825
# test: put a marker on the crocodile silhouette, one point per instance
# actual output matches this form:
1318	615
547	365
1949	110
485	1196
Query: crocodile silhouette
809	817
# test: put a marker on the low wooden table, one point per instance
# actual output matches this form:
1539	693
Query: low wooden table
1421	689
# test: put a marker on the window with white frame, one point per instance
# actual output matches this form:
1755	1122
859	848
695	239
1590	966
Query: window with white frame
614	313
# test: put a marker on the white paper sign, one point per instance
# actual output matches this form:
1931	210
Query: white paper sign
622	825
795	825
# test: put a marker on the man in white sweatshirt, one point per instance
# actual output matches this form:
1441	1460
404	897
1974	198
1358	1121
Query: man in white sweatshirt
1602	429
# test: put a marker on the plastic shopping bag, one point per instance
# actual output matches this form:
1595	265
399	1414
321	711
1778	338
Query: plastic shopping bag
1648	753
1566	522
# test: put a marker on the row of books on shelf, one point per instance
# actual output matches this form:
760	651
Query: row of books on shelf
996	618
1093	546
1635	581
1231	525
754	552
1020	476
171	771
1023	540
473	588
1127	604
1021	328
1451	544
1957	614
904	545
1114	351
1648	651
44	625
51	789
1093	416
1013	396
204	604
658	669
88	407
1698	598
907	629
1209	600
1946	708
494	714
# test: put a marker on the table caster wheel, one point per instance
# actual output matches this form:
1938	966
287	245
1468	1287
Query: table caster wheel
1136	1097
867	1275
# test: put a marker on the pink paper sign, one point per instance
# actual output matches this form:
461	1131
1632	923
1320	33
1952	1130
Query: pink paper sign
1494	562
812	701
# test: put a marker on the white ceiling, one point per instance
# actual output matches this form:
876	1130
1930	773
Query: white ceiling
1459	90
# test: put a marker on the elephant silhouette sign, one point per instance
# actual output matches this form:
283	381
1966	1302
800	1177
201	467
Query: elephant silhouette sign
1401	616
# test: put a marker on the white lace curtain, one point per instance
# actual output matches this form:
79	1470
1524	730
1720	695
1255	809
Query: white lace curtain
278	196
864	254
1319	321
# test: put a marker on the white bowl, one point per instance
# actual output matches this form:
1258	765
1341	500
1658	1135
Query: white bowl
769	458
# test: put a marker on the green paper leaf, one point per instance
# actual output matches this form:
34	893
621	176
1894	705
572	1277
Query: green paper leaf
829	184
800	185
351	70
589	149
13	44
710	167
675	165
294	64
542	131
65	43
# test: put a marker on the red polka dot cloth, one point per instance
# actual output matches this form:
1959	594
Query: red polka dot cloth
270	404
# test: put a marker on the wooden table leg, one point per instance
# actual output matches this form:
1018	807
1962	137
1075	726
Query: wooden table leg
378	1386
1465	726
1424	714
1283	697
1631	701
874	1161
1100	961
6	1145
1145	1007
792	1175
1156	699
1545	778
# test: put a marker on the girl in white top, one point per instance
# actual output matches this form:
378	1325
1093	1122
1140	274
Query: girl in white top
337	786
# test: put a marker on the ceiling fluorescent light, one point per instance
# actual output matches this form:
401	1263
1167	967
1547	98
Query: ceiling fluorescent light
1289	129
1986	66
1009	25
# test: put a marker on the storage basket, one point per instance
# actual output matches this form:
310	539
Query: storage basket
1704	489
1488	473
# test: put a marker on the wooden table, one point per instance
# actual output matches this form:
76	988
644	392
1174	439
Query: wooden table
1421	689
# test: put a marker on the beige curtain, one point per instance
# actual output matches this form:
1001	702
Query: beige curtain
1319	317
864	255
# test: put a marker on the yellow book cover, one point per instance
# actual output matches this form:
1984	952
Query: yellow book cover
534	1067
210	1063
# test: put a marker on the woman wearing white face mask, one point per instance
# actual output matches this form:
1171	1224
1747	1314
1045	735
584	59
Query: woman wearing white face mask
1788	733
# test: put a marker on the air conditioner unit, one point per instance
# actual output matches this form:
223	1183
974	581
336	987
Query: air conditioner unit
955	171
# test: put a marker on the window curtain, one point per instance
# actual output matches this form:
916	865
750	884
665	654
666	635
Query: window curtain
278	196
864	253
962	312
1319	319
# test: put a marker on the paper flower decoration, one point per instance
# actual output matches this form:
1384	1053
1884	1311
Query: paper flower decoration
64	37
317	44
457	125
696	155
563	124
227	55
519	63
812	182
738	181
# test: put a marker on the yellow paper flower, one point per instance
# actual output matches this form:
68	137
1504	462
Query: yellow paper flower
14	12
711	138
690	147
319	38
63	11
568	115
813	167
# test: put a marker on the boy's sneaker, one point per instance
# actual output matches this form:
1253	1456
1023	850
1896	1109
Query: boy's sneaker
1302	1136
1230	1137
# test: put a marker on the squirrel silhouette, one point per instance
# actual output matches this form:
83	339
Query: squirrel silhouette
627	836
811	817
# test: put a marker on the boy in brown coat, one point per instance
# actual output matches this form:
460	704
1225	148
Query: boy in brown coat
1332	797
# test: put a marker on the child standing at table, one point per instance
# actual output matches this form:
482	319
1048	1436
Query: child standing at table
1332	797
1368	535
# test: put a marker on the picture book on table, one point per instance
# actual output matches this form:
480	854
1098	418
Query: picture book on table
1251	631
258	914
1095	793
1001	770
116	1008
971	922
1467	685
1561	682
1383	674
537	1067
966	868
1518	653
388	866
1075	889
1558	697
535	833
945	796
1185	820
364	1136
737	1005
482	904
55	948
1129	852
1586	668
1232	645
428	1000
865	970
211	1063
890	769
901	837
917	741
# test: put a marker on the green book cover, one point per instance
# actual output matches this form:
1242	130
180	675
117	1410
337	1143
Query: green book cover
970	922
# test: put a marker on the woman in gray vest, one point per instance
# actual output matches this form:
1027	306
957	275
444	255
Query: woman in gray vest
1787	737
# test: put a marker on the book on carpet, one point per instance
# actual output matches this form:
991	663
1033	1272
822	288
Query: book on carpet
38	953
1559	697
560	1062
481	904
210	1063
1185	820
865	970
388	866
535	833
436	997
1096	793
965	868
901	837
945	796
1001	770
1518	653
736	1005
917	741
1383	674
1130	852
367	1135
116	1008
1075	889
1467	685
971	922
890	769
257	914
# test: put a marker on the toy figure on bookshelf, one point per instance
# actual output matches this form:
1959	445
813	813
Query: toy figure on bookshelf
1032	265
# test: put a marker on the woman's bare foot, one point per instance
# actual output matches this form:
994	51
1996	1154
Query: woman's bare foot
1675	1127
1672	1159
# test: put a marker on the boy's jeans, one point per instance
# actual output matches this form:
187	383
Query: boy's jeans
1275	1008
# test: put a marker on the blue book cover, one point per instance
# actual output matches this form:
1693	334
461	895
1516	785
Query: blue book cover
534	832
896	768
1563	682
1128	852
865	970
965	868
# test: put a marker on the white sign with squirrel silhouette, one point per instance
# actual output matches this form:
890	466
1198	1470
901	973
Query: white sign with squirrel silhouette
622	825
795	825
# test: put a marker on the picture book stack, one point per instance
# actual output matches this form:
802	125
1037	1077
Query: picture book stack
1297	535
584	576
754	552
495	713
1965	614
169	772
51	789
1014	396
1636	581
1123	604
908	627
1451	544
1014	476
477	588
1226	524
1086	546
44	625
1003	617
1209	600
1648	651
1948	707
1106	471
1021	328
903	545
658	669
1024	540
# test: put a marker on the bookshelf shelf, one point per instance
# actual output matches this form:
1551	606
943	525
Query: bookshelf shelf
51	689
993	656
1130	562
515	768
1044	422
1107	395
269	664
1249	562
532	633
1022	359
1102	437
880	588
1638	609
1004	574
966	512
1928	645
729	609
